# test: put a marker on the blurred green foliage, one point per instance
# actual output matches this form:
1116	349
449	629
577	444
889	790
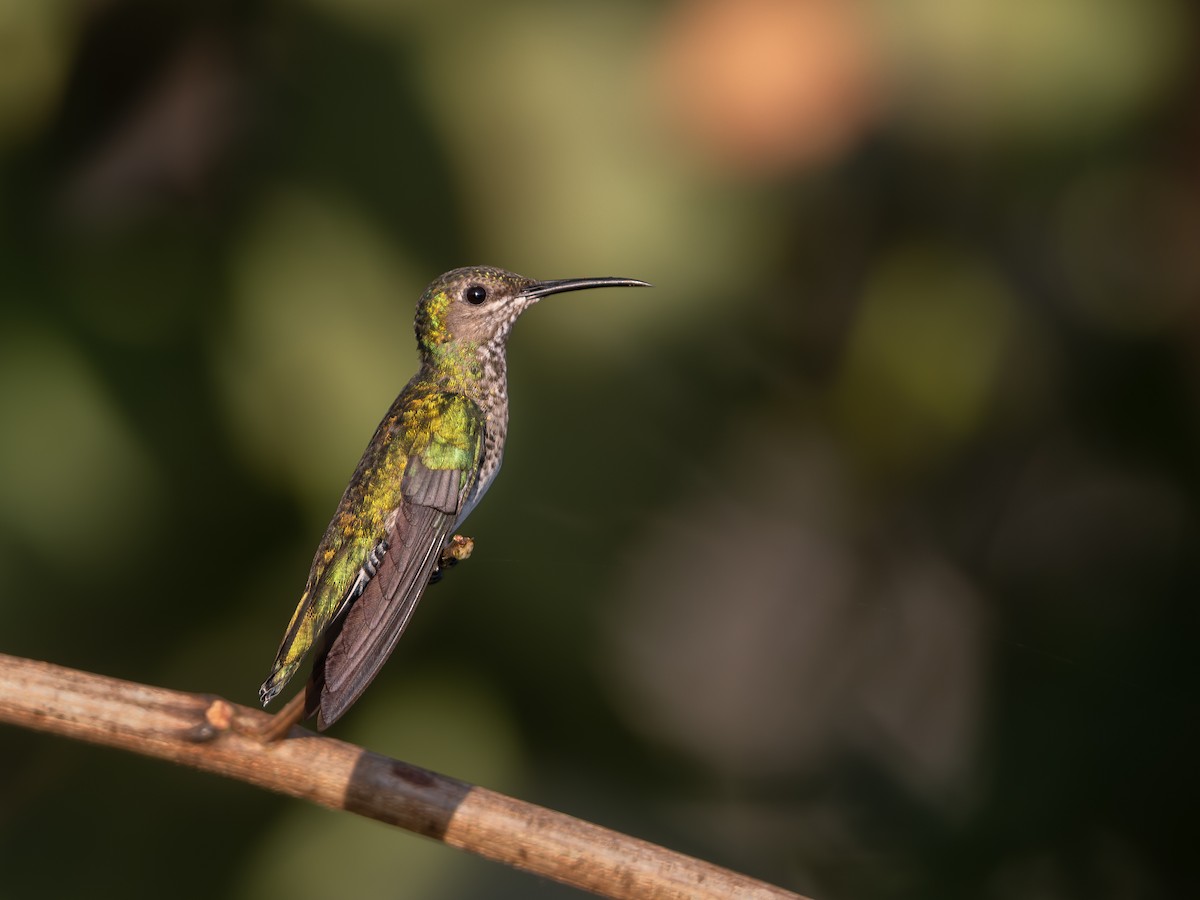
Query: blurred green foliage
859	555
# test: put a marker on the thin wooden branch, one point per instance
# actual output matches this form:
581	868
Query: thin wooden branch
211	734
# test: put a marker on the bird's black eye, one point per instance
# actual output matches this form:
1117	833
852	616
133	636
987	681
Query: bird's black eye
475	294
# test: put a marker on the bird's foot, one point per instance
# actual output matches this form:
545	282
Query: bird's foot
457	549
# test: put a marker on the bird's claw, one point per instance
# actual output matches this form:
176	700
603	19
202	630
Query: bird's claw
457	549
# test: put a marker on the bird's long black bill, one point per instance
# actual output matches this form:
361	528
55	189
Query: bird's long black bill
545	288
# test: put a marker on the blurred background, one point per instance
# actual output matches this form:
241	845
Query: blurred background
860	554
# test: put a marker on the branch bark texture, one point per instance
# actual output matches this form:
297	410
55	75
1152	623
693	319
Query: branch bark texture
211	734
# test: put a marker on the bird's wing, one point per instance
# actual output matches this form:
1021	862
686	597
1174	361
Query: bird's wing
343	562
438	476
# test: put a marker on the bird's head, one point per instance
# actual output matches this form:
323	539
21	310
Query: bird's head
478	305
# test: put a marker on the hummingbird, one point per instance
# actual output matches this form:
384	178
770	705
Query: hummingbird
431	460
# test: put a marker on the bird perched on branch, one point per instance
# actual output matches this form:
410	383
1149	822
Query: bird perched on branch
432	458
